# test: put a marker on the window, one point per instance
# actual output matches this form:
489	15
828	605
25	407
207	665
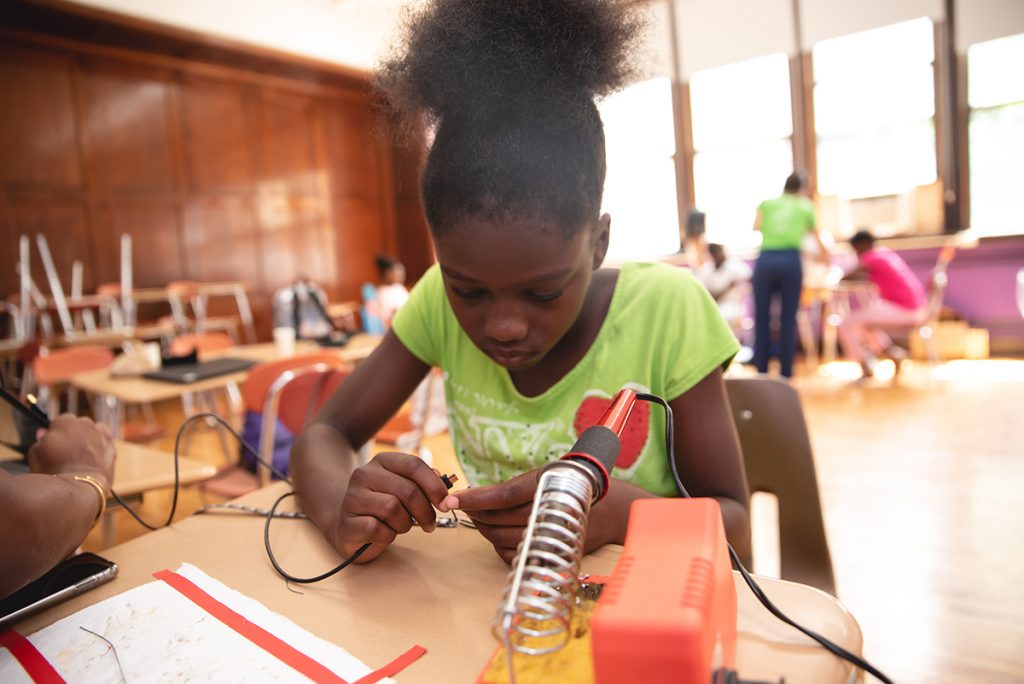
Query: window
742	127
996	134
874	109
640	188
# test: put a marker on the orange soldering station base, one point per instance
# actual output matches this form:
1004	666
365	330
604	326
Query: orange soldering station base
669	612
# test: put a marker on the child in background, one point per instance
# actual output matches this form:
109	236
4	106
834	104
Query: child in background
392	293
901	302
533	336
728	282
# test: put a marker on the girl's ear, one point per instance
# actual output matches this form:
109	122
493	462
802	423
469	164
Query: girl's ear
602	232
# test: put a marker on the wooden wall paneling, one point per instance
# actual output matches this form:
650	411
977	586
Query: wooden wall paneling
290	211
380	138
360	237
9	254
63	222
37	123
327	274
352	148
221	240
154	225
356	144
415	248
126	127
216	136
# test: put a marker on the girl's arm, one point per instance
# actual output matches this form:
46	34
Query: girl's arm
353	504
709	461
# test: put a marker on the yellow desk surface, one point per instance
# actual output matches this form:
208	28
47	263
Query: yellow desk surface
438	590
140	468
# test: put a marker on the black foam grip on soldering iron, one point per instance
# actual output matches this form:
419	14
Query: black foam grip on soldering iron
598	449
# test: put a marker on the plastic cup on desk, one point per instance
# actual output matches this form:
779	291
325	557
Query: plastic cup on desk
284	338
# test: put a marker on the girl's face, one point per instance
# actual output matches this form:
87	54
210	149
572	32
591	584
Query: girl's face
516	288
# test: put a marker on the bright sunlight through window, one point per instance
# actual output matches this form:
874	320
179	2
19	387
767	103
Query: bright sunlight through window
742	125
640	188
874	108
996	134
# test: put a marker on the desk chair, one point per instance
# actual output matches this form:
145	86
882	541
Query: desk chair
52	370
937	283
236	480
183	295
293	400
777	453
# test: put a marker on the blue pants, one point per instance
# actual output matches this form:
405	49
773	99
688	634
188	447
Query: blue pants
780	273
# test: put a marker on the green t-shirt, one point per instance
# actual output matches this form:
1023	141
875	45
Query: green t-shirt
662	334
785	220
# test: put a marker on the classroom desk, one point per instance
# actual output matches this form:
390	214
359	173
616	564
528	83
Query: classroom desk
140	468
833	302
439	591
136	389
137	470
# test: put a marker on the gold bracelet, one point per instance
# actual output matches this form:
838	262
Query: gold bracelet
99	490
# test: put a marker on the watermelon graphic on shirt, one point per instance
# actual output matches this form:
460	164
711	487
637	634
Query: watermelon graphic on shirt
634	434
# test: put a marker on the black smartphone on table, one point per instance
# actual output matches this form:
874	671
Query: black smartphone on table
71	577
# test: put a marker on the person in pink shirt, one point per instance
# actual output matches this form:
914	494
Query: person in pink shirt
901	302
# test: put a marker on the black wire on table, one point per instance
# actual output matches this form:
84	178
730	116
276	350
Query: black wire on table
302	580
270	515
177	480
829	645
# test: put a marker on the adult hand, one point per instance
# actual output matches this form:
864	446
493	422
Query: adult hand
74	446
383	499
500	511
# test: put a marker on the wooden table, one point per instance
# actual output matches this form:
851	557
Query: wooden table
439	591
140	468
833	302
116	391
143	390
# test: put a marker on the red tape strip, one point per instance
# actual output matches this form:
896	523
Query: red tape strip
37	667
254	633
395	666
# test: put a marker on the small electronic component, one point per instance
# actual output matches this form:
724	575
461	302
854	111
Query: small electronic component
449	480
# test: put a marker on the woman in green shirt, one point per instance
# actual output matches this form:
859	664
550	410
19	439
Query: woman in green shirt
532	334
783	222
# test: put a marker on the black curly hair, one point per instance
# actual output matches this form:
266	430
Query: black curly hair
509	86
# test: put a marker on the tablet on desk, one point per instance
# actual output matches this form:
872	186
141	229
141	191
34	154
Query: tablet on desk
186	373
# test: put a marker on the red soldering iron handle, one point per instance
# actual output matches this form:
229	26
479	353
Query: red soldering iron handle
599	446
618	413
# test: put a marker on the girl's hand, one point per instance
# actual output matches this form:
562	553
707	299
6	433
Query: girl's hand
385	498
500	512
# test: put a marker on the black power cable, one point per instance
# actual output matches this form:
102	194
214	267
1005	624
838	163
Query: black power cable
829	645
177	481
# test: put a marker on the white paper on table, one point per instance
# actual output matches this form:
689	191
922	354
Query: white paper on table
162	636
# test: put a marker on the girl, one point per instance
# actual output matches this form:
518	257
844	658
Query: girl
533	336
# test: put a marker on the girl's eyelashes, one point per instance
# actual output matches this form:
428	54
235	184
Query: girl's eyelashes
466	294
546	296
